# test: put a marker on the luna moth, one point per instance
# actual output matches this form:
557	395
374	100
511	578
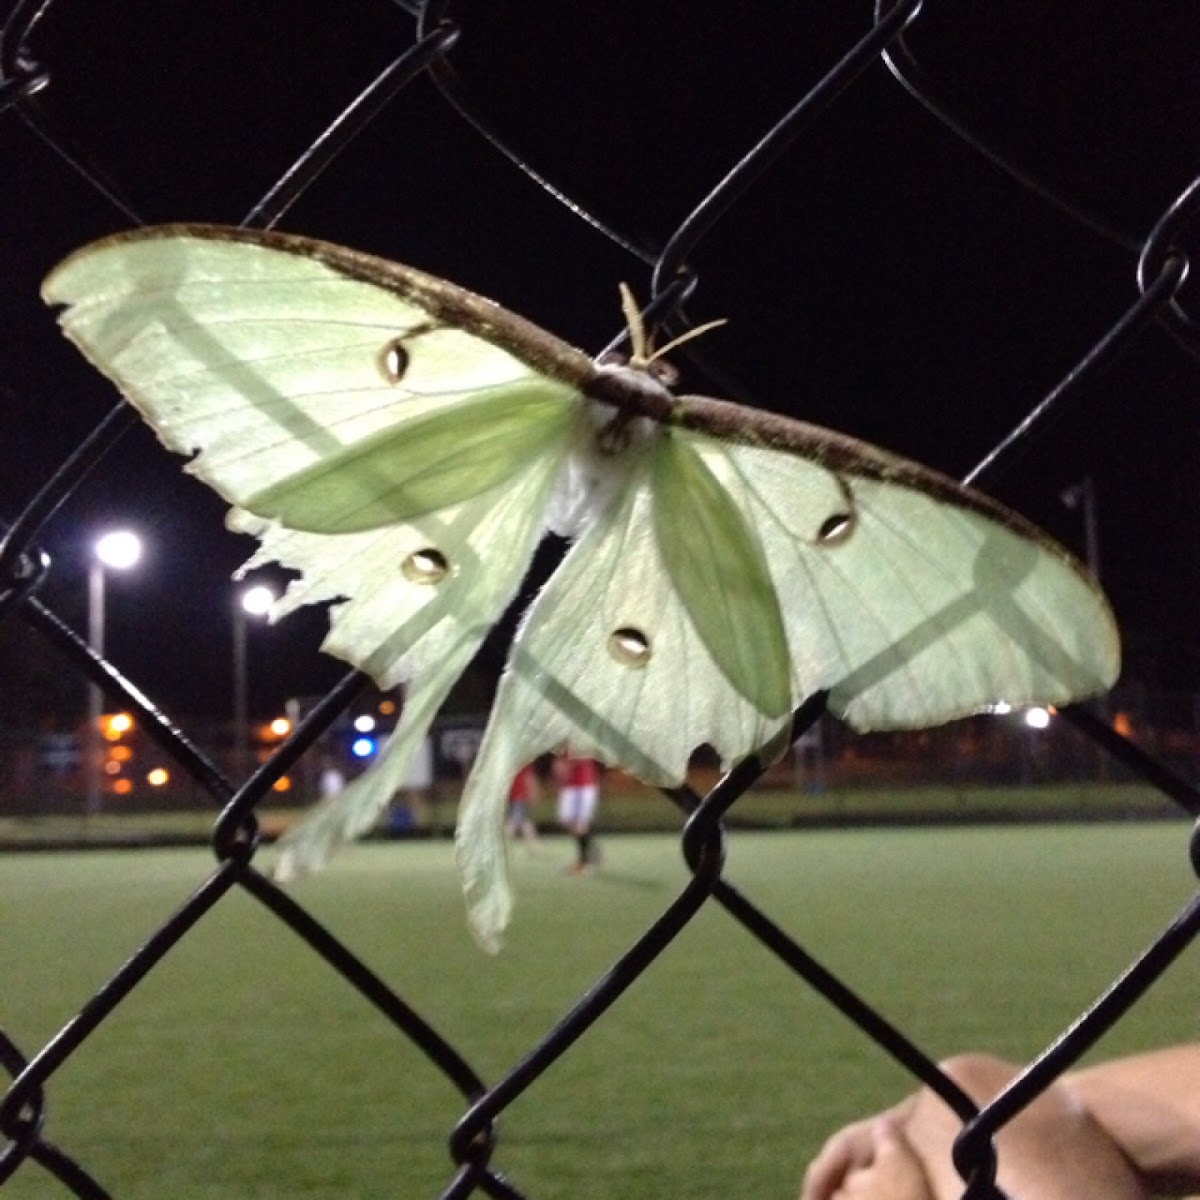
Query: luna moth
405	444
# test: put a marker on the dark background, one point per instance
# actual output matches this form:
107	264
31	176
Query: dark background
881	278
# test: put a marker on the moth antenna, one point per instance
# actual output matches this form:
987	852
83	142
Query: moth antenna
638	343
687	337
642	355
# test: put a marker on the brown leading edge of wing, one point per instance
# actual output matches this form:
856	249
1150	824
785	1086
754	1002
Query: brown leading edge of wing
842	453
444	300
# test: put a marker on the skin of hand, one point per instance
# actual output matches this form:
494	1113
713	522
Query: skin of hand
1055	1149
850	1151
894	1169
1149	1104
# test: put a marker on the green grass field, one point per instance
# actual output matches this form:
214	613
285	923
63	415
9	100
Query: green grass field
243	1067
643	810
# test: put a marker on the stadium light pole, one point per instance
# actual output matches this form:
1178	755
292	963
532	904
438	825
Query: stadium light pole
117	550
1082	496
253	601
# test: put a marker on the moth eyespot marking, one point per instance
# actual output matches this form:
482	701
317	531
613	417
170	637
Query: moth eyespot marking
428	565
842	521
629	646
393	361
836	528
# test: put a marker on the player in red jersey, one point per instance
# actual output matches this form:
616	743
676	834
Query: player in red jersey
578	791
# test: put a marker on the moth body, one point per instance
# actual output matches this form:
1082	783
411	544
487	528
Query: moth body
632	388
612	441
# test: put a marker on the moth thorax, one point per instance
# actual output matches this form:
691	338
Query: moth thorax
638	391
601	461
619	431
615	435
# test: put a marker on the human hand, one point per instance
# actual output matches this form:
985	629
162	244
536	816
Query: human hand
850	1149
869	1160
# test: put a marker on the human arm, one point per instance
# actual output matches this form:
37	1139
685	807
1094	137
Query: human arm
1149	1105
1117	1131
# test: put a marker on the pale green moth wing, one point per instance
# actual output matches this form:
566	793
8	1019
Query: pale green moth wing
716	565
910	599
292	365
324	393
608	662
407	620
424	464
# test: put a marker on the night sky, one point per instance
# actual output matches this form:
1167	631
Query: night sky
880	278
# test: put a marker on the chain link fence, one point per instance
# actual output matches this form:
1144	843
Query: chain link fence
425	75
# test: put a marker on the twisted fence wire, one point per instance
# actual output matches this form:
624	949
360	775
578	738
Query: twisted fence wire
1161	271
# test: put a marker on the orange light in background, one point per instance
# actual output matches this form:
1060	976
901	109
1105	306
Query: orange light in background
114	725
282	784
123	787
120	754
112	768
158	777
1123	725
387	707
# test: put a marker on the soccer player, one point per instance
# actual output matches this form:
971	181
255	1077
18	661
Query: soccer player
578	791
524	792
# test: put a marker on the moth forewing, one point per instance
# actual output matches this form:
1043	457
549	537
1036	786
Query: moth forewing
914	599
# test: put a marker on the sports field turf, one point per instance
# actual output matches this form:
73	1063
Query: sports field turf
243	1067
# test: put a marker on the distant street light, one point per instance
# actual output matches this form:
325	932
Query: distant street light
118	550
1037	718
253	601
